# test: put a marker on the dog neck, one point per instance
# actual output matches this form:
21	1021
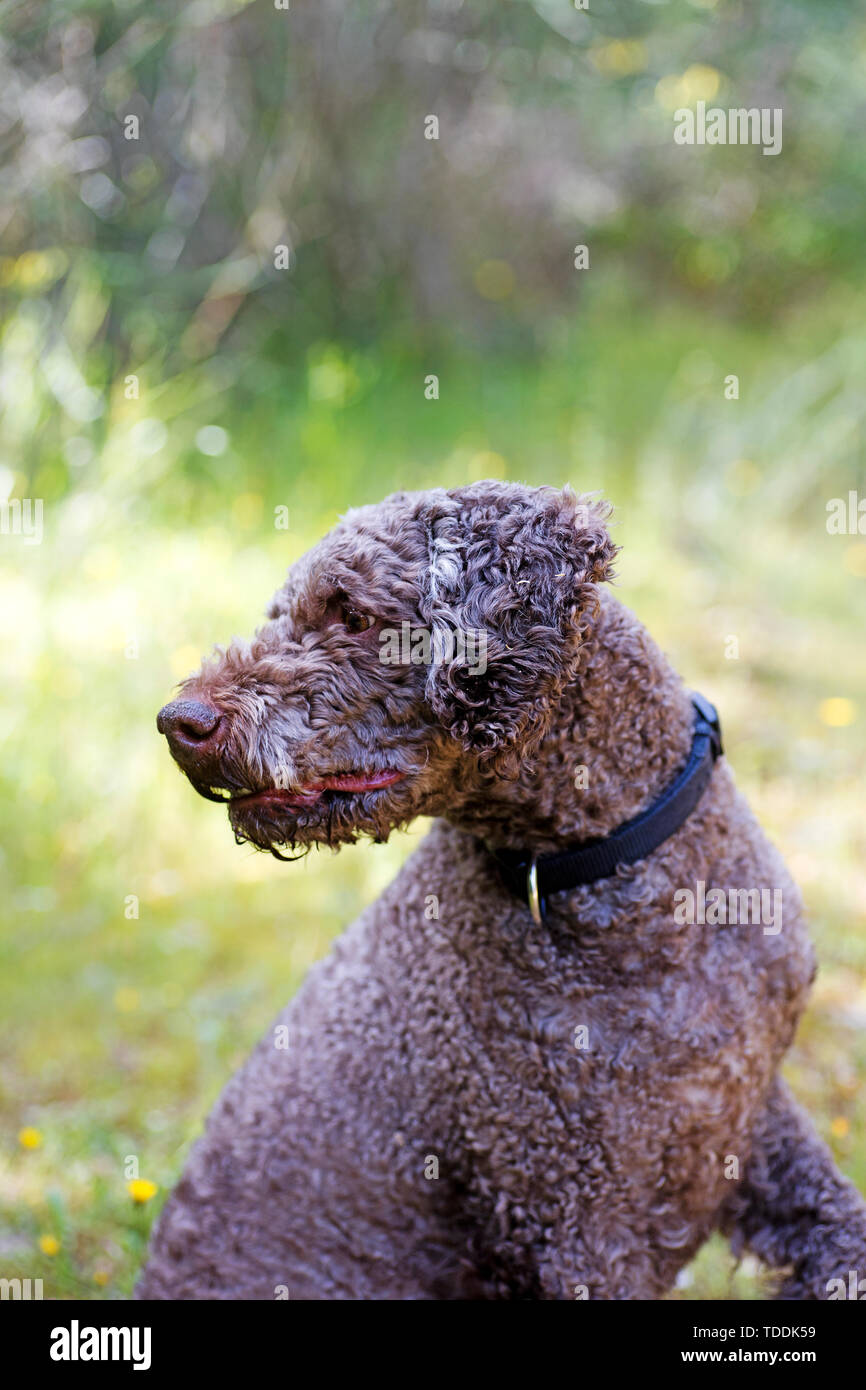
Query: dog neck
620	734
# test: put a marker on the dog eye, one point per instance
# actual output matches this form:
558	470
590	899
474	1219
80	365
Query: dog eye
353	621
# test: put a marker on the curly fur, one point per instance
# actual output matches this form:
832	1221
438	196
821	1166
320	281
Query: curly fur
447	1037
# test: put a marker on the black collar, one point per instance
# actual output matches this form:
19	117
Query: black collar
532	878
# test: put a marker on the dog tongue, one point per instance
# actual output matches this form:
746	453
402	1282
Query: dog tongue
340	782
308	797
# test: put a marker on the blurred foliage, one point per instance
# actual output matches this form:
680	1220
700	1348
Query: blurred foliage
304	128
153	260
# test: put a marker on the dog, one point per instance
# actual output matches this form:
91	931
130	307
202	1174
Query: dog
527	1071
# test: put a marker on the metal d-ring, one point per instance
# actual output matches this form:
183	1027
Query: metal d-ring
532	891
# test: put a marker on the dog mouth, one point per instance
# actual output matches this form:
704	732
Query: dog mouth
341	784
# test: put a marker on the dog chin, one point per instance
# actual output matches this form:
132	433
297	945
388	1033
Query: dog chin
326	822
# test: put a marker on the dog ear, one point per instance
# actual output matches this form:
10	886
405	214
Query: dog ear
512	583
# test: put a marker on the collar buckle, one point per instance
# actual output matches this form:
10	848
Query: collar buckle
533	897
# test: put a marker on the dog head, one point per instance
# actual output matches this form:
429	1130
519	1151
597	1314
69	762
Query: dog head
422	645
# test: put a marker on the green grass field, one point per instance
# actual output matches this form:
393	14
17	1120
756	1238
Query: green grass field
143	952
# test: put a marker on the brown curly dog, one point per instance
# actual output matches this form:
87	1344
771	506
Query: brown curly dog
468	1099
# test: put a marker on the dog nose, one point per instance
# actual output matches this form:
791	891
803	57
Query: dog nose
188	724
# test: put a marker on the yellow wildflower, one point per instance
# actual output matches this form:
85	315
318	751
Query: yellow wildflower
141	1189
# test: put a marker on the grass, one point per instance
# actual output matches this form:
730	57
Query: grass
142	953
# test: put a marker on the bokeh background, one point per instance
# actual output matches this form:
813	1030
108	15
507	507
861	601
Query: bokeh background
166	387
